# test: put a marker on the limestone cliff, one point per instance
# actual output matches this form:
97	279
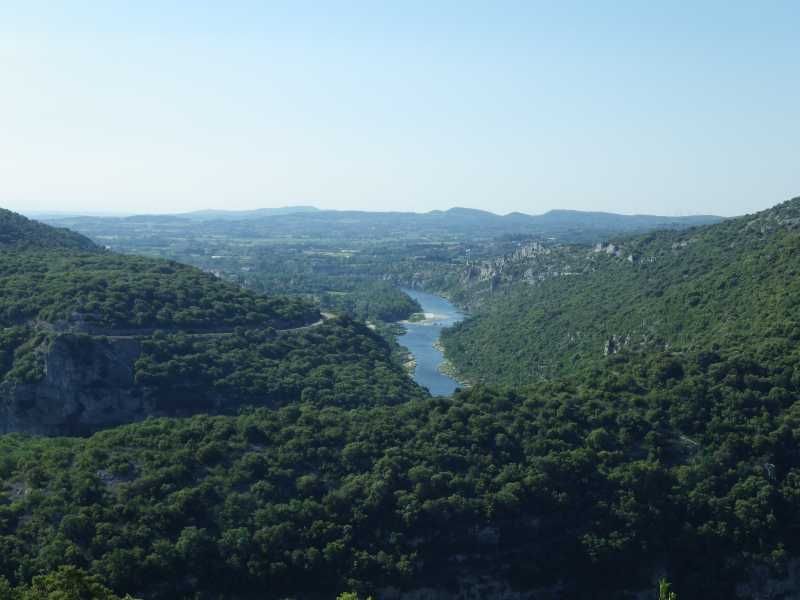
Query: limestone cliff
88	384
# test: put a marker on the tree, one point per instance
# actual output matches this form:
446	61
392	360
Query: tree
664	592
67	583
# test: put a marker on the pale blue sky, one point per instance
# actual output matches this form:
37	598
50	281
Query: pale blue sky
670	107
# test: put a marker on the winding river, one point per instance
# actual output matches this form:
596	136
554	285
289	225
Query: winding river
421	336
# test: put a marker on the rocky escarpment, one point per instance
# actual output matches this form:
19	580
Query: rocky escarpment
75	384
88	383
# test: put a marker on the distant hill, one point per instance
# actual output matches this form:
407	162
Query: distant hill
238	215
728	284
17	231
604	220
304	222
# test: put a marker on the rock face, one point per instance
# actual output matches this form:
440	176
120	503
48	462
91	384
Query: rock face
88	384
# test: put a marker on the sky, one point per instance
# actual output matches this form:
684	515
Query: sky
673	108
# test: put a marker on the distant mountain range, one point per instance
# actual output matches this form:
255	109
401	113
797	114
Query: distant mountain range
238	215
563	225
197	215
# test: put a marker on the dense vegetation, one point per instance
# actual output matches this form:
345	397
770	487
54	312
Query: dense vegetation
201	344
730	285
114	291
54	280
18	232
372	301
684	463
363	282
66	583
663	439
340	363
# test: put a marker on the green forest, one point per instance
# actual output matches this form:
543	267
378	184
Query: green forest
732	285
17	232
634	420
114	291
688	463
48	290
372	301
339	363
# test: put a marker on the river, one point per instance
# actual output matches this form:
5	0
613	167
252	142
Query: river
420	338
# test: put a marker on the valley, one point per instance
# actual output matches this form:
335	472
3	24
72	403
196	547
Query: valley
188	415
399	300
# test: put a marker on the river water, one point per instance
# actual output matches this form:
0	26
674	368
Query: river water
420	337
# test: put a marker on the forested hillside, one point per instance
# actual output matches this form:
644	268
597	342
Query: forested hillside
18	232
106	291
90	339
731	285
317	466
338	363
681	465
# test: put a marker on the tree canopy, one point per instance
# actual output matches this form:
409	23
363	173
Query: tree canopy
18	232
732	285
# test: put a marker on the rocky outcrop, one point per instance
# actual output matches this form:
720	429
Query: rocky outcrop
88	384
615	344
610	249
530	263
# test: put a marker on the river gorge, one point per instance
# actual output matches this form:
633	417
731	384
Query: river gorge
421	339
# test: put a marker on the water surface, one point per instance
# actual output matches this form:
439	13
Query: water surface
420	337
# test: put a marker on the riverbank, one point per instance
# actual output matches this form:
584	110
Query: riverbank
426	362
448	368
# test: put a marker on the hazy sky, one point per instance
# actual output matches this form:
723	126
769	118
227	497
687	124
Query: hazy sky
672	107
